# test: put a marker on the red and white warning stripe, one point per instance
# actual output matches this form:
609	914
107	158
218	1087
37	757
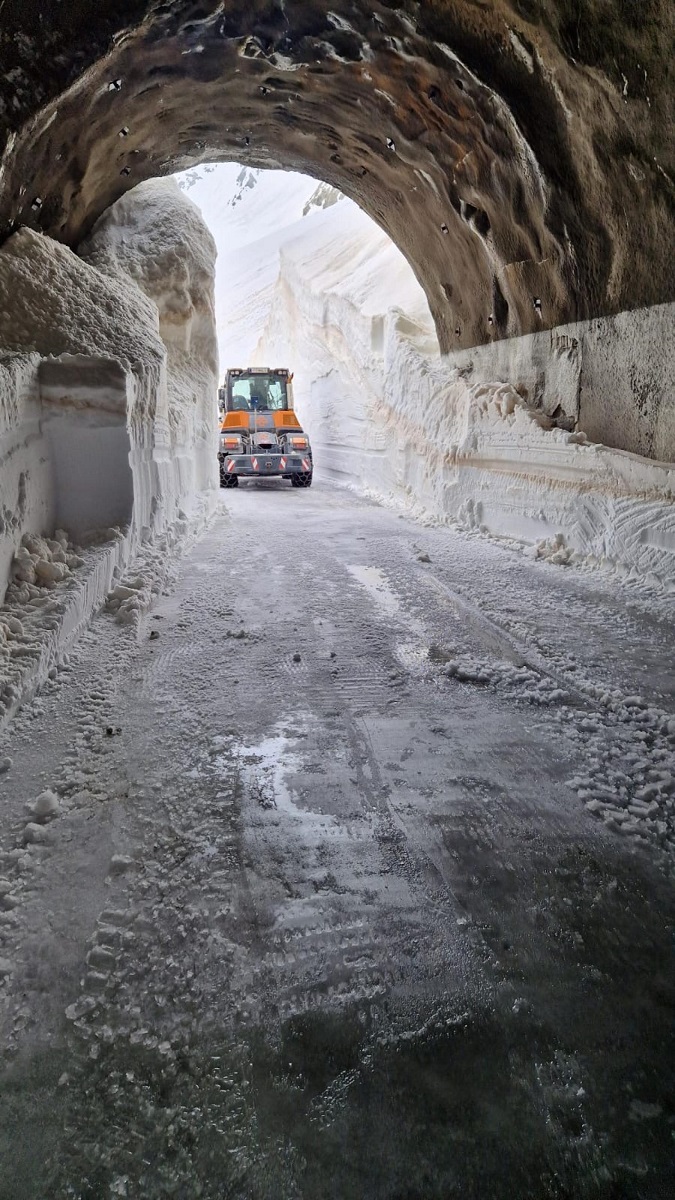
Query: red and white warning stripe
282	463
305	465
230	465
254	464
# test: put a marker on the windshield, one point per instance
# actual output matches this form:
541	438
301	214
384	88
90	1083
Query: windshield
257	393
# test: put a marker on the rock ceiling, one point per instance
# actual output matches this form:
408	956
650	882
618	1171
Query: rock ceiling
520	153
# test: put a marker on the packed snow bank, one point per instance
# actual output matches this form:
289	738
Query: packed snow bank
54	588
26	492
250	213
108	379
156	236
451	438
78	351
483	458
611	377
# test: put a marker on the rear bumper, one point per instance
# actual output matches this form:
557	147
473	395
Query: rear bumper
265	465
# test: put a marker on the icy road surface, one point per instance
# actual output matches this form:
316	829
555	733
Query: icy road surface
355	883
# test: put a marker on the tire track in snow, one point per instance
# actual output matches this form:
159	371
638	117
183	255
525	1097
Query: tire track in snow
497	639
340	906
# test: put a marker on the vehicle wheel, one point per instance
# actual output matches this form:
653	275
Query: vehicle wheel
302	480
229	481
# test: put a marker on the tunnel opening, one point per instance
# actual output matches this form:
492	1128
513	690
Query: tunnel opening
110	377
306	280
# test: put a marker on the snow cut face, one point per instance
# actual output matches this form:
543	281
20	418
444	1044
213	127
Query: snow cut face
108	385
492	439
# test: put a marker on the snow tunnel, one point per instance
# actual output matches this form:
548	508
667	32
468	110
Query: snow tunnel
346	869
517	154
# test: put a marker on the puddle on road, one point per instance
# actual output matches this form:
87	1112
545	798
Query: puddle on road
413	656
375	582
410	653
265	768
272	772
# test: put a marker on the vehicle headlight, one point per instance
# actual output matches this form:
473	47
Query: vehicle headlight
230	443
299	443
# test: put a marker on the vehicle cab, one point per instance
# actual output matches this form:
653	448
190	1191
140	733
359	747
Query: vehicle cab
260	435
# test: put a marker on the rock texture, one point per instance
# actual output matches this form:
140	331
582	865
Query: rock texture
517	152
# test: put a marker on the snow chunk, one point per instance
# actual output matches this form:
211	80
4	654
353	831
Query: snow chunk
35	835
52	302
120	863
46	806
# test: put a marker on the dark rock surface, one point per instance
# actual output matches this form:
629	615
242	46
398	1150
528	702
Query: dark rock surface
518	152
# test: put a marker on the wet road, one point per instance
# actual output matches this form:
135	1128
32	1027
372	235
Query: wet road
362	886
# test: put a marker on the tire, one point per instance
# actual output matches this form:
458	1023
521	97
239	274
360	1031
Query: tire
302	480
229	481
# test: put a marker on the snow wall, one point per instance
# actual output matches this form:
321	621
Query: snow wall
503	438
108	375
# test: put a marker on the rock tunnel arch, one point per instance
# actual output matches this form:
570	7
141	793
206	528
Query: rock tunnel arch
517	153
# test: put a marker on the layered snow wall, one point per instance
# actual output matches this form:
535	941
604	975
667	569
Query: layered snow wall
108	376
156	236
504	438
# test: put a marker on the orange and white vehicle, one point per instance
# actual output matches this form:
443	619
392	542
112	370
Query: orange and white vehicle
260	435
